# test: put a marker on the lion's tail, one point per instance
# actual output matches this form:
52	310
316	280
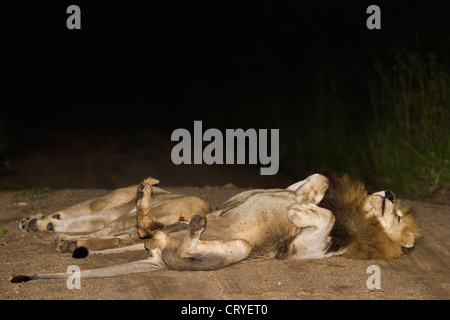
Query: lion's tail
127	268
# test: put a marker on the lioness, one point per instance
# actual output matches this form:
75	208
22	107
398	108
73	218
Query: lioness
111	220
319	217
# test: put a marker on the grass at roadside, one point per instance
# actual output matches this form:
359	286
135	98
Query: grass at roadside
397	136
3	231
410	134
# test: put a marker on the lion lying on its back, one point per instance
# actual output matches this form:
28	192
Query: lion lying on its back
318	217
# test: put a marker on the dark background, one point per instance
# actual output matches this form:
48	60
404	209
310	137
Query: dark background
151	66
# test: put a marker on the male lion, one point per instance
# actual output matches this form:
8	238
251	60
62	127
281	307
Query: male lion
319	217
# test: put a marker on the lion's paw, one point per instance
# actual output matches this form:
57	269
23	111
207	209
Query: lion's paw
197	224
299	213
313	190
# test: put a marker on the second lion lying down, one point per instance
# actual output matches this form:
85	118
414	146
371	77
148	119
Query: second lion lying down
319	217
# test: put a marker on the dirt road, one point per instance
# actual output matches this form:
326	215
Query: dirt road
424	274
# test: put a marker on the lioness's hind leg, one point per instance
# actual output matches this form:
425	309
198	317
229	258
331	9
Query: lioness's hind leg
146	222
98	243
29	224
82	224
39	222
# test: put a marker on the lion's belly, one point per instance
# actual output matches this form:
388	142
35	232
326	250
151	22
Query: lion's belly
260	220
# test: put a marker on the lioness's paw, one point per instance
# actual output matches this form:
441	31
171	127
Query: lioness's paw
29	224
66	246
39	222
144	190
313	190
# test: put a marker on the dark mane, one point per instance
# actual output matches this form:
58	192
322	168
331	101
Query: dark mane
362	237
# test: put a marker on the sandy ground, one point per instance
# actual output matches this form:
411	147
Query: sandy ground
74	164
424	274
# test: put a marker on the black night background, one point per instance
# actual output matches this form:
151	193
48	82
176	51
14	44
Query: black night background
94	108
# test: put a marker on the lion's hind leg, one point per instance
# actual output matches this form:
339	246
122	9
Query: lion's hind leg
210	254
192	253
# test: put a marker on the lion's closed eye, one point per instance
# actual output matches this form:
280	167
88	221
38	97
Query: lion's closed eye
389	195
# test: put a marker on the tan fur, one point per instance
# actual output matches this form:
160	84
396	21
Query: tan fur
360	221
319	217
111	220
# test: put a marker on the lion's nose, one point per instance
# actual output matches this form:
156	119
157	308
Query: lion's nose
389	195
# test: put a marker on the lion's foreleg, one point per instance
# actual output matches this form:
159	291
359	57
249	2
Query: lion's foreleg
315	224
310	190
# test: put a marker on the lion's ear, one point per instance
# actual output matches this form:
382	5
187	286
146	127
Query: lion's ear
372	207
408	240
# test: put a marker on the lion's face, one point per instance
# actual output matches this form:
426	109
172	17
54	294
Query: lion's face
398	224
